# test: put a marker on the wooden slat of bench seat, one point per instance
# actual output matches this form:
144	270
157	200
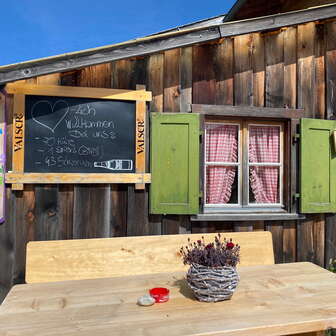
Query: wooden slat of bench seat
110	257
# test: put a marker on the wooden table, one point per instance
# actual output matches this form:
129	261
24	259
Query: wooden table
270	300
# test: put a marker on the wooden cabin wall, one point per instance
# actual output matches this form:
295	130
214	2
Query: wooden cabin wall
294	67
257	8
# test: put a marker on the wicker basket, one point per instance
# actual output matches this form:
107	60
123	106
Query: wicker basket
211	284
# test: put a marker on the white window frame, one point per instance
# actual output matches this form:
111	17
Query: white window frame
237	164
266	164
243	166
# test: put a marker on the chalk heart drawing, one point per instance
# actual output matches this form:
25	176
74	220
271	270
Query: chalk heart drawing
60	108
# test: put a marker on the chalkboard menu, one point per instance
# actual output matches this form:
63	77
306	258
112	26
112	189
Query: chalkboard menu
79	135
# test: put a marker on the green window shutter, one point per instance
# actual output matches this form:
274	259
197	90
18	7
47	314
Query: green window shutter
175	165
318	166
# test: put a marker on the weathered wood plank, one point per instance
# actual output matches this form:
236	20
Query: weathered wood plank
306	68
118	210
248	111
204	78
330	83
7	247
154	83
171	103
66	191
171	81
243	73
7	229
330	238
91	211
186	79
153	44
320	102
9	110
310	239
3	150
243	94
92	202
205	58
290	59
65	210
290	45
155	66
47	221
289	241
258	63
24	223
274	96
290	98
274	52
310	231
224	72
137	204
185	106
331	69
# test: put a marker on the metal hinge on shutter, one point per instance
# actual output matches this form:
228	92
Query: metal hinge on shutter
296	138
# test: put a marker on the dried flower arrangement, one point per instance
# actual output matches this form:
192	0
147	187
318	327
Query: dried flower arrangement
212	275
218	253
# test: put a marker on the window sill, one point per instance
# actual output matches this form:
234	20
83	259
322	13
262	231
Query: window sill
246	217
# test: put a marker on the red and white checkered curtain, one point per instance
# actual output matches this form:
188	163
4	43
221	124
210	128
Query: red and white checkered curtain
264	142
221	146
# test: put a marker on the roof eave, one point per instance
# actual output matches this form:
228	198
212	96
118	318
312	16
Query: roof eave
160	42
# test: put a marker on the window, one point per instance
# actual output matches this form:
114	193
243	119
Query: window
257	163
243	165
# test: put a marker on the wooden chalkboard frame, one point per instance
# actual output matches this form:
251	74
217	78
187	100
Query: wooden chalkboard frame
17	177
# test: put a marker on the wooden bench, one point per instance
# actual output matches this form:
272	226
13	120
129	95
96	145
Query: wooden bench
60	260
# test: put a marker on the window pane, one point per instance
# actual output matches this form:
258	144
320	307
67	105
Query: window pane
221	185
264	144
264	185
221	143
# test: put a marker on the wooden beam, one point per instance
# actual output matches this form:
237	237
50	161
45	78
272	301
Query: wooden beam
235	8
138	47
158	43
248	111
48	178
140	136
18	137
272	216
78	91
277	21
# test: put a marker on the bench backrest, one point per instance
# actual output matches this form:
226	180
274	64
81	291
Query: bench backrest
60	260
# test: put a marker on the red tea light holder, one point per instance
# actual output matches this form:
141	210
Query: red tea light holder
159	294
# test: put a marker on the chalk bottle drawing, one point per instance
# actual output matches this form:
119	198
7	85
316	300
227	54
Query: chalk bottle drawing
115	164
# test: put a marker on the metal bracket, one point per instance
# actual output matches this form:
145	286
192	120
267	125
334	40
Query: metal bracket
296	138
